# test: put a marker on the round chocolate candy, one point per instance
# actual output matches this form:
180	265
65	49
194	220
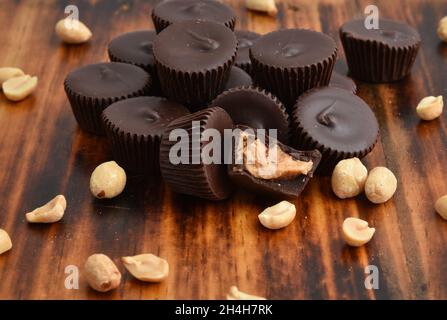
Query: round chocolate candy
340	81
134	128
194	59
379	55
92	88
238	78
255	108
169	12
245	40
197	178
290	62
337	123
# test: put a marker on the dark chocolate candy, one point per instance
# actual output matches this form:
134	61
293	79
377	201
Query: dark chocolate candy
94	87
136	48
336	122
256	108
290	62
280	187
379	55
208	181
194	59
245	40
134	128
238	78
340	81
168	12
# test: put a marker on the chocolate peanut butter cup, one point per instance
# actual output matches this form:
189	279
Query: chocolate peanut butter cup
194	59
336	122
134	128
290	62
264	165
255	108
136	48
168	12
238	78
245	40
385	54
340	81
92	88
181	162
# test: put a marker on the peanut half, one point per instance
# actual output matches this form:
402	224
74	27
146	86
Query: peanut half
18	88
442	29
5	241
266	6
52	212
8	73
108	180
101	273
430	108
441	207
147	267
356	232
235	294
348	178
380	185
278	216
73	31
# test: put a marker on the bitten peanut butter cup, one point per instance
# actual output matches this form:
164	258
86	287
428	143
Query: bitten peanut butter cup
92	88
264	165
194	59
193	176
337	123
255	108
136	48
134	128
290	62
245	40
385	54
169	12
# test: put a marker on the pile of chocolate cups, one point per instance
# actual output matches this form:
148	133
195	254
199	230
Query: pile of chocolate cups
195	70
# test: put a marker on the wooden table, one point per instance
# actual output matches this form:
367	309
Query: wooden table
211	246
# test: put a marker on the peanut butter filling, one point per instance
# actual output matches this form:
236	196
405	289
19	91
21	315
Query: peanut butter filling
270	162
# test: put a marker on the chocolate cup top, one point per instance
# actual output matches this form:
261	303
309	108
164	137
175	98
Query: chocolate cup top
336	119
238	78
143	116
108	80
391	33
133	47
255	108
341	81
184	10
245	40
293	48
195	46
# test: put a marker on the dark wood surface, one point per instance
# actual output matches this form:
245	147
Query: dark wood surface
211	246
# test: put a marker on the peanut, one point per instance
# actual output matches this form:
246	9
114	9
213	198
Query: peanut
18	88
5	241
278	216
147	267
51	212
441	207
108	180
356	232
380	185
266	6
73	31
235	294
442	29
8	73
430	108
348	178
101	273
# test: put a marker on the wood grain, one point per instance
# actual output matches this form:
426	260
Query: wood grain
211	246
